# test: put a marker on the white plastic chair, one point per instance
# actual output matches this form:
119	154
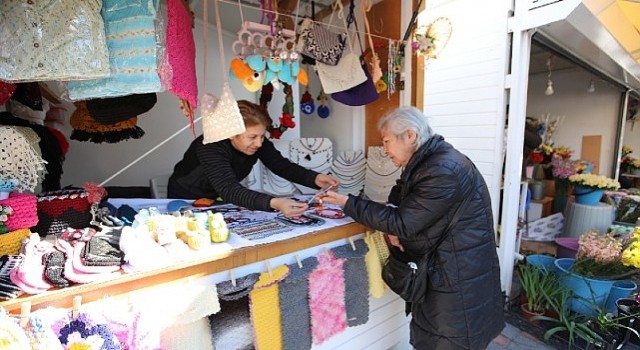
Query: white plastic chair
158	186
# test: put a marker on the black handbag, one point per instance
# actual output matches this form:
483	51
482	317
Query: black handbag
410	279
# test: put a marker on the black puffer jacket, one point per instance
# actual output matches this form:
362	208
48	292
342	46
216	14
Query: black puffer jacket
463	308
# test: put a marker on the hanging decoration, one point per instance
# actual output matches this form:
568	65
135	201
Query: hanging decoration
306	103
323	110
286	119
266	54
430	39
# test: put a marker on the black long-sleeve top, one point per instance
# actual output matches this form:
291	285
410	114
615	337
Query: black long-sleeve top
215	170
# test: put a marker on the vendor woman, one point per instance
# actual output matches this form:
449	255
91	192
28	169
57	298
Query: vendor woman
215	169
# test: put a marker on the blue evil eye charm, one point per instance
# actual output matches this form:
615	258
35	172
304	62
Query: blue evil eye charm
307	107
323	112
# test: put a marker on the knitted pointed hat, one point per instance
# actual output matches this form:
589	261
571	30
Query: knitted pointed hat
85	128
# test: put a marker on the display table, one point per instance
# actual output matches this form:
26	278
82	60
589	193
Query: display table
242	254
581	218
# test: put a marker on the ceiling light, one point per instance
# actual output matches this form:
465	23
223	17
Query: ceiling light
592	87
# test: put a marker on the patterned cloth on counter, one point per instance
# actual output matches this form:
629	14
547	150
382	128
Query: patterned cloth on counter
131	39
326	298
356	282
294	306
265	309
52	40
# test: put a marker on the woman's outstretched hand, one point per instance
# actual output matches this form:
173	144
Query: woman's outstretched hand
336	198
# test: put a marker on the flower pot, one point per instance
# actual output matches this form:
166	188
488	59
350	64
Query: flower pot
541	261
527	314
567	247
537	190
560	203
619	290
588	195
627	308
590	294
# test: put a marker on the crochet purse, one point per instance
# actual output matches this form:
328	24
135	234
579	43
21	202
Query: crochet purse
58	210
24	212
221	117
320	43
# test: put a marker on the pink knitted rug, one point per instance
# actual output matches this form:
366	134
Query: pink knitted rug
326	298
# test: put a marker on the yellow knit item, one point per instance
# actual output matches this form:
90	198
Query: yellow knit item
11	242
265	309
375	259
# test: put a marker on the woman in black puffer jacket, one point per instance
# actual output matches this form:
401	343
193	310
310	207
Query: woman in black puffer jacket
463	307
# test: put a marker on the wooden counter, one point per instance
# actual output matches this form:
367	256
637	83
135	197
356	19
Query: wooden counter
194	268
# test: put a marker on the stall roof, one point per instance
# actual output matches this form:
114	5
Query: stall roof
604	34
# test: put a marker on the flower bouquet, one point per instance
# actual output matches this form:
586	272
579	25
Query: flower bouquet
601	256
594	181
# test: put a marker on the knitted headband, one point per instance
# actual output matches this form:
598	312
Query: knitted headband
85	128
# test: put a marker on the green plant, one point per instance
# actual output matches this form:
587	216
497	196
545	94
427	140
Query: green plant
538	285
576	326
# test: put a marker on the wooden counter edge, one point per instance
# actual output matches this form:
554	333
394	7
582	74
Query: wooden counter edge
125	283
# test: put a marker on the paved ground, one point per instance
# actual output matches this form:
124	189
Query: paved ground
512	338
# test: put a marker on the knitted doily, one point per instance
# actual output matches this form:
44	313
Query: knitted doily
18	159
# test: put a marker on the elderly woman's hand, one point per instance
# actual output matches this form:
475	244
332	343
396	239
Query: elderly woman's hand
334	198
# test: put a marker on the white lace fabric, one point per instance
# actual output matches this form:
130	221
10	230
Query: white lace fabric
20	158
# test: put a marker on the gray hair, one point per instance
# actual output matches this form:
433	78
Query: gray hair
407	118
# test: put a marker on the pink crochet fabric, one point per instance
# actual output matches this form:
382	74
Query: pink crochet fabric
181	50
326	298
29	275
25	213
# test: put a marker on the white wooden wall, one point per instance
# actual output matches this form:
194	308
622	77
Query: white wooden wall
464	96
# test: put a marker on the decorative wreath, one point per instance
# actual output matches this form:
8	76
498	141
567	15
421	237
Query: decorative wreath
286	119
429	40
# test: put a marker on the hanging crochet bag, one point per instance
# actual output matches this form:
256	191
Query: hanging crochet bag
58	210
221	117
320	43
347	73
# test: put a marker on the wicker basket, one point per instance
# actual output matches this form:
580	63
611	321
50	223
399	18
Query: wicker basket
11	242
25	211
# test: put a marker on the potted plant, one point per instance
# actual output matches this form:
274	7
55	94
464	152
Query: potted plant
538	285
589	188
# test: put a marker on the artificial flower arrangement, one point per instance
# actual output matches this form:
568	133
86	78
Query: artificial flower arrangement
594	181
5	211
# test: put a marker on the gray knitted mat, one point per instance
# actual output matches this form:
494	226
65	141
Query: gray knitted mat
356	282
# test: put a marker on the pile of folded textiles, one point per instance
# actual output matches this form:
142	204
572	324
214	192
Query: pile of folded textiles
77	256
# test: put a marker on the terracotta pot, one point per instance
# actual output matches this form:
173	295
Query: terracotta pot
527	314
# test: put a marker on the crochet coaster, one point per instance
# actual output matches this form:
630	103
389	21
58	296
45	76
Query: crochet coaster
374	259
227	291
326	298
231	328
54	268
294	306
356	282
84	332
265	309
12	336
40	336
